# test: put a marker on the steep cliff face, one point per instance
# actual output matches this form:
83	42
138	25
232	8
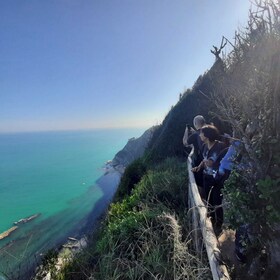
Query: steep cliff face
134	149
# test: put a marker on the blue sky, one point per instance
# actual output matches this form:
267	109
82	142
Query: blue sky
82	64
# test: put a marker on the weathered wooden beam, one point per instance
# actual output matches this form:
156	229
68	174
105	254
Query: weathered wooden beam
218	269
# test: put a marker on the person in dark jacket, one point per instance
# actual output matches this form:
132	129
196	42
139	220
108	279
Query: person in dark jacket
213	152
191	137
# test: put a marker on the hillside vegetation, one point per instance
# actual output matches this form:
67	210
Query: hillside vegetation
145	234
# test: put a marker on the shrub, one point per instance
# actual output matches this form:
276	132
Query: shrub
131	176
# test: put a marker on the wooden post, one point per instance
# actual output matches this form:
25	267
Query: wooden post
218	269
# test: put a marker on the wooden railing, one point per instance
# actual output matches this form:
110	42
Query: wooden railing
202	229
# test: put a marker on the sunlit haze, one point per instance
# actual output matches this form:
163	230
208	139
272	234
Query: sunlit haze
68	64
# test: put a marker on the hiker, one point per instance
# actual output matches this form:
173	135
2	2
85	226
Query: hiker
213	151
230	157
191	137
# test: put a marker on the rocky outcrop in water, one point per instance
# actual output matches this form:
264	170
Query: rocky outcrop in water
7	232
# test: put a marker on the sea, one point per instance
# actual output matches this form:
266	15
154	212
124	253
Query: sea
52	174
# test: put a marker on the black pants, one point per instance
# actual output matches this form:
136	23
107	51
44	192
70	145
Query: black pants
214	199
212	187
198	176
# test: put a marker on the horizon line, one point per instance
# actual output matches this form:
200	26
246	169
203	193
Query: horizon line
74	129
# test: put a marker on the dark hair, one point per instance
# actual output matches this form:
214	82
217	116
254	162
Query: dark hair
211	132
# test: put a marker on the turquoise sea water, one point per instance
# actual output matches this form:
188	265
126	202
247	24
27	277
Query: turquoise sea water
54	174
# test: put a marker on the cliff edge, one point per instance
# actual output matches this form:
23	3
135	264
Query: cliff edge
133	150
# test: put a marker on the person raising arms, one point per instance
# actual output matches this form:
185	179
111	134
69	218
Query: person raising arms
191	137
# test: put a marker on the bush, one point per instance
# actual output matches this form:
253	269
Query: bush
131	176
